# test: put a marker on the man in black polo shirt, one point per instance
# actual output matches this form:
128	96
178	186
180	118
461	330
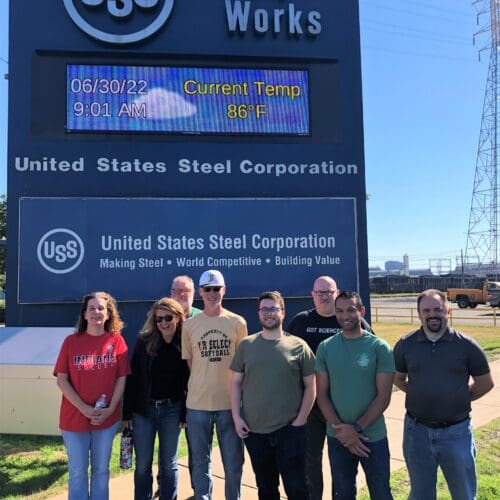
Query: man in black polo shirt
433	366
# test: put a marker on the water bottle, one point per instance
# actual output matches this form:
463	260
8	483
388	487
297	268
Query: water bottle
101	402
126	448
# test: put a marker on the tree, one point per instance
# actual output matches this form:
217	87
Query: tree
3	216
3	236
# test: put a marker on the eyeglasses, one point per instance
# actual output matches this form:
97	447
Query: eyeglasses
168	318
325	293
212	288
267	310
180	291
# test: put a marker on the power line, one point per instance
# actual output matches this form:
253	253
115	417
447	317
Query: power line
4	60
417	54
415	30
396	29
417	256
421	37
399	258
441	9
415	13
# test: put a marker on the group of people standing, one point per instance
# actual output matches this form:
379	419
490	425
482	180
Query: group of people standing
278	392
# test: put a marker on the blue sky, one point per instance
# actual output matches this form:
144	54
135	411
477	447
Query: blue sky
423	90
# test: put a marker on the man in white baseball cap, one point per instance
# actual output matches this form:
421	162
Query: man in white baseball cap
212	277
209	341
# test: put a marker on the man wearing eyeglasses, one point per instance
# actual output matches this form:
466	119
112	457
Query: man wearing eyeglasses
272	391
314	326
209	341
182	291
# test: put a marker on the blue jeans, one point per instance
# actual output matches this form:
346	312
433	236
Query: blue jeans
344	468
80	446
280	452
452	448
190	462
200	425
164	420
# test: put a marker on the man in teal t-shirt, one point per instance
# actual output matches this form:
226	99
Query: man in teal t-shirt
354	374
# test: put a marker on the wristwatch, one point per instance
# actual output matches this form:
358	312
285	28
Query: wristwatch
358	428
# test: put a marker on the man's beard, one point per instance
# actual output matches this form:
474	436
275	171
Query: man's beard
433	327
185	305
266	326
437	328
351	325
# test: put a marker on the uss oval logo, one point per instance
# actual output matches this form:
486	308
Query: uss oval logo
119	21
60	251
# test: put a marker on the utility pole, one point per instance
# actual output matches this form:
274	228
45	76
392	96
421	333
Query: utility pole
481	251
440	266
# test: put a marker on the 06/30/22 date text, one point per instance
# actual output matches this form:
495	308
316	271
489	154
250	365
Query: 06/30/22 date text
108	86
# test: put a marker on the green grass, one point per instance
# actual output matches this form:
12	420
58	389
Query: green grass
29	464
486	336
36	466
488	469
392	295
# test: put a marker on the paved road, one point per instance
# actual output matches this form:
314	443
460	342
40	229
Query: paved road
401	309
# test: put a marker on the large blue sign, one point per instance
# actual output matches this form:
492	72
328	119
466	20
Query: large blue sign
273	243
236	125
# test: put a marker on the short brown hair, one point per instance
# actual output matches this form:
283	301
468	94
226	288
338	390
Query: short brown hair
431	292
275	295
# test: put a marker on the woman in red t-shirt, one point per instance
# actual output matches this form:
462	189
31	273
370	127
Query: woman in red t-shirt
92	366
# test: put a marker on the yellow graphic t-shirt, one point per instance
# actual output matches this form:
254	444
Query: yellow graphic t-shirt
210	343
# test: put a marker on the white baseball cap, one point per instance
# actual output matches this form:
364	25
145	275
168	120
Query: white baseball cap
212	278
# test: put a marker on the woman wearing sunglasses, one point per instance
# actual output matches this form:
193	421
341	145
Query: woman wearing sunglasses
155	398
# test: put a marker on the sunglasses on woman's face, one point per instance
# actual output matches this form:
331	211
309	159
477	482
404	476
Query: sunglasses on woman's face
168	318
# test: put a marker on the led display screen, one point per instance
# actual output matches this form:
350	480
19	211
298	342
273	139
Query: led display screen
187	100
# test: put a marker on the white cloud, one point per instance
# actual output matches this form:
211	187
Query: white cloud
161	103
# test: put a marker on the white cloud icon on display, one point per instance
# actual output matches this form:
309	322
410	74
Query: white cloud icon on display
161	103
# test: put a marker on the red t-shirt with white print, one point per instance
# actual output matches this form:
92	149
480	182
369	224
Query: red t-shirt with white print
93	365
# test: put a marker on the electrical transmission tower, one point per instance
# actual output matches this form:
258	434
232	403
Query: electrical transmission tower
481	252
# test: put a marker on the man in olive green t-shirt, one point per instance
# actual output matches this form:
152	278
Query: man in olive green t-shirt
272	392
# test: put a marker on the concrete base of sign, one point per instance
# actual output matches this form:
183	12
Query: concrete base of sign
29	397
